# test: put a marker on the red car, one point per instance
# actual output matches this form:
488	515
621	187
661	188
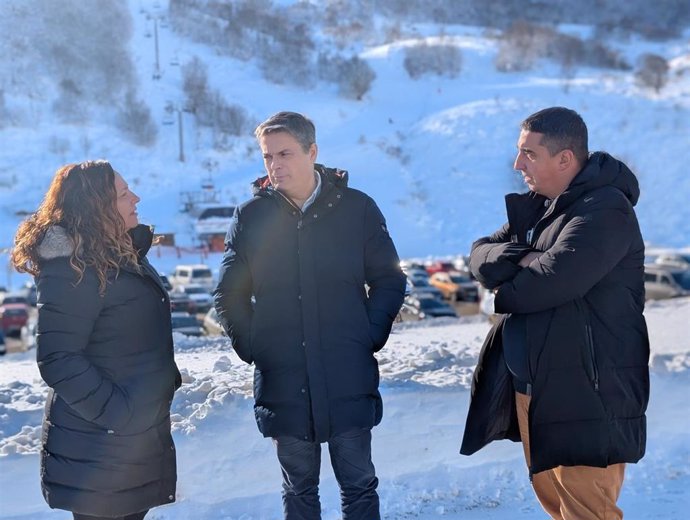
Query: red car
13	316
440	267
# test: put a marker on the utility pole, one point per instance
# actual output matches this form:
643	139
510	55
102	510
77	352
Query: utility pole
157	69
180	133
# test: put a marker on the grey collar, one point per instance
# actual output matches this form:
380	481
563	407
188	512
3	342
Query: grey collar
56	243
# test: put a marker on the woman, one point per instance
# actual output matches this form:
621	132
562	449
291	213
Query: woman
104	348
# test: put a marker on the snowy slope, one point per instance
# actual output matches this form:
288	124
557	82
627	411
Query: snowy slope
228	471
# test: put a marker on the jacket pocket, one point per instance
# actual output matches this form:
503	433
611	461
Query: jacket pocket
589	354
590	357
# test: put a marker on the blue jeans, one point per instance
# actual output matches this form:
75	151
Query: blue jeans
135	516
300	462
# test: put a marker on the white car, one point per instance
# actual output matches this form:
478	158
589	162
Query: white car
665	282
28	334
194	274
679	259
211	324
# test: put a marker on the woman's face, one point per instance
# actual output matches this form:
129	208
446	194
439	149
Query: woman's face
126	202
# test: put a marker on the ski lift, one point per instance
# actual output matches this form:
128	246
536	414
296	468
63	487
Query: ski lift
169	111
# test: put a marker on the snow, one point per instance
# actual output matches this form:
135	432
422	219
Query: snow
228	471
436	154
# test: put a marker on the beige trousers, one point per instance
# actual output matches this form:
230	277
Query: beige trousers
573	492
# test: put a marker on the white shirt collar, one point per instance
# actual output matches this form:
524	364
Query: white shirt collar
314	194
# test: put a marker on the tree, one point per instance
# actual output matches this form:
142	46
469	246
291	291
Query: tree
353	76
652	71
134	120
443	60
195	84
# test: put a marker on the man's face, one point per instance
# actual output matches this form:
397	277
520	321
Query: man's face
539	169
290	169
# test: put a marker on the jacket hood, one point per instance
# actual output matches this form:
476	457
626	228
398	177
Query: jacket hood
335	176
142	238
604	170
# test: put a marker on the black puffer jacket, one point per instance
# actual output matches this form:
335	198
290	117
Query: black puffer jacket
582	302
107	449
312	330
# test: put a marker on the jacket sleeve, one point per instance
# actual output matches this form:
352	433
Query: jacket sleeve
67	313
233	294
494	259
384	277
586	250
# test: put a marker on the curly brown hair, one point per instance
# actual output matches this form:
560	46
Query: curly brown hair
82	200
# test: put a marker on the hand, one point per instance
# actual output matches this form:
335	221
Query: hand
527	259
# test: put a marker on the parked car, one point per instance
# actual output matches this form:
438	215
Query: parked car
416	274
455	286
440	267
407	265
676	259
211	324
13	316
420	306
201	297
666	282
198	274
14	298
180	302
3	347
166	282
422	285
186	324
462	263
28	333
29	292
486	304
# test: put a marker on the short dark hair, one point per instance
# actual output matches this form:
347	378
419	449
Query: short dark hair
298	126
563	129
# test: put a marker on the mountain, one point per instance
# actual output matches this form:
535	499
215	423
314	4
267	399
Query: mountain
431	137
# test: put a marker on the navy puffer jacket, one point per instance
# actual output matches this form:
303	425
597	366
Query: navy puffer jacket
107	448
293	298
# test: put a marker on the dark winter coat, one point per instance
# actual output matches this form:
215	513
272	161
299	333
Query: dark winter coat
293	300
107	449
582	302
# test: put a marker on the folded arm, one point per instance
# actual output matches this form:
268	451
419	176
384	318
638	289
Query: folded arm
586	250
495	259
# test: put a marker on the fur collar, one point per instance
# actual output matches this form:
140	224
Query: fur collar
56	243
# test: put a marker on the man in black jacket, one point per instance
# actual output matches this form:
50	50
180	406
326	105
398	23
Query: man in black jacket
309	287
566	368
